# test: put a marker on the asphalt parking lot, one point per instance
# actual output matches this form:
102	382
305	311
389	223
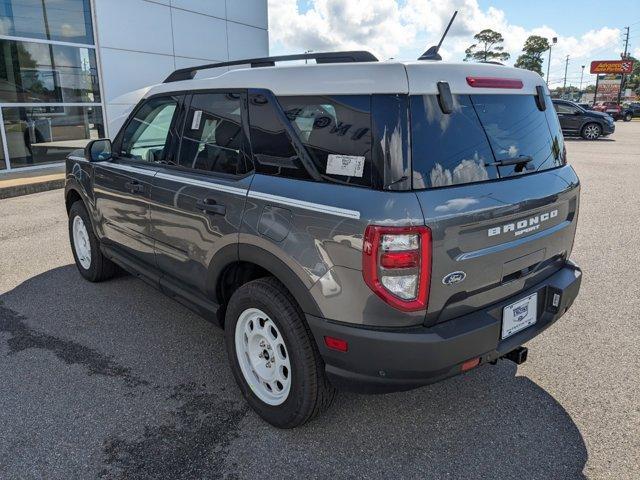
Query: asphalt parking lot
114	380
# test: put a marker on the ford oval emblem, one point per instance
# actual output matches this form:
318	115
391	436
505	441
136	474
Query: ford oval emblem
454	277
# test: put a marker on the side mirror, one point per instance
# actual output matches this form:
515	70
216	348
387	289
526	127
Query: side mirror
98	150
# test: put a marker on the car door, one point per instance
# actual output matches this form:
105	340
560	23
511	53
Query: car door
122	185
570	120
198	202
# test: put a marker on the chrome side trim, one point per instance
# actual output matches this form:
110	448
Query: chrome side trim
128	168
314	207
202	183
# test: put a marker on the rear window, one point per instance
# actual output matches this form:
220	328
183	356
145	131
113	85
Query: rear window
448	149
460	147
517	128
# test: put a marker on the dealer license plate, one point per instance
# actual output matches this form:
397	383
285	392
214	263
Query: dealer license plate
519	315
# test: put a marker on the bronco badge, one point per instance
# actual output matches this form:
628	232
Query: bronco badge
453	278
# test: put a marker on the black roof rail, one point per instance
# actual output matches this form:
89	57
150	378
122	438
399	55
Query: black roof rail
322	57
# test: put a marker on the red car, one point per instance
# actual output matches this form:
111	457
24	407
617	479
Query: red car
618	112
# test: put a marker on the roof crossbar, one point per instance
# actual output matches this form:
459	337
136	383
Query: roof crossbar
324	57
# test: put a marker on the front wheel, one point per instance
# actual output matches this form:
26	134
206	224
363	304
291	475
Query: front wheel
627	117
273	356
91	263
591	131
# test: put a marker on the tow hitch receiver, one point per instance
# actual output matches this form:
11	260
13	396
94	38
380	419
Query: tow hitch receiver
517	356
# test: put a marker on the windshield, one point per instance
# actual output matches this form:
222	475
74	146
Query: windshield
468	145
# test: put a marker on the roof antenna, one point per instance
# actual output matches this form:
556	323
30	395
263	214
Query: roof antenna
432	53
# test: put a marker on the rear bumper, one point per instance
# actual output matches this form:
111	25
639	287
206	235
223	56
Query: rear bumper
386	360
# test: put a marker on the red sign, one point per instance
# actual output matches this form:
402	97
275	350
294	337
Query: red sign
612	66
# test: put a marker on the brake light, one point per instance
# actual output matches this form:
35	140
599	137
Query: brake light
494	82
396	265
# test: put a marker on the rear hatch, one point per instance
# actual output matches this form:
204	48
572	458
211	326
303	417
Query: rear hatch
497	229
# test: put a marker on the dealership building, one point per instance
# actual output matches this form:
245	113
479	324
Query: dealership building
67	65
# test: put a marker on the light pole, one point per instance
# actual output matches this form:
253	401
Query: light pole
564	85
554	40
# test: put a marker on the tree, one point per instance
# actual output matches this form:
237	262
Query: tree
488	47
531	58
633	79
569	93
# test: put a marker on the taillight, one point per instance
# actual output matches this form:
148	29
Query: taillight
396	265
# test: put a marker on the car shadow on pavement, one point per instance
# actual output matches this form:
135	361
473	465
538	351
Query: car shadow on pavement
116	380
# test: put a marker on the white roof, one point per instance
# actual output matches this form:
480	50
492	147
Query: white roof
419	77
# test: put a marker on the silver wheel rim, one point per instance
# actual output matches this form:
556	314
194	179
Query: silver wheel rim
81	243
591	132
263	356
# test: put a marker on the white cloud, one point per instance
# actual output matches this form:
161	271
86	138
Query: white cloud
404	29
340	24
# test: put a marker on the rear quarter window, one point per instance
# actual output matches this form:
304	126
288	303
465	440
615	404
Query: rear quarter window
331	126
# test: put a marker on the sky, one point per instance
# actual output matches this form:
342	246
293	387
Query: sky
403	29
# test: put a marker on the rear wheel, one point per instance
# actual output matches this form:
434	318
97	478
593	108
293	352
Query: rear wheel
273	355
91	263
591	131
627	117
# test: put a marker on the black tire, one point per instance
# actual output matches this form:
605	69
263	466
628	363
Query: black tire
310	392
591	131
627	117
100	267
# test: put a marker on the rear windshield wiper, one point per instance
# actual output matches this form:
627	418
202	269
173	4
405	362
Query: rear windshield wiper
521	161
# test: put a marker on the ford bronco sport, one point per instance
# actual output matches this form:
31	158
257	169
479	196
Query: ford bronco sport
350	223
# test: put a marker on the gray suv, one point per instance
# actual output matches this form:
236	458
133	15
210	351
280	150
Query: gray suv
372	226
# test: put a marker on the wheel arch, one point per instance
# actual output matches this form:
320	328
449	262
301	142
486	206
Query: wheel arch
235	265
71	196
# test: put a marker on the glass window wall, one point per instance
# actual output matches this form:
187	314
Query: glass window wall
39	135
49	88
60	20
38	72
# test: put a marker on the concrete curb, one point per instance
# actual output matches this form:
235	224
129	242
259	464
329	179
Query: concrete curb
26	189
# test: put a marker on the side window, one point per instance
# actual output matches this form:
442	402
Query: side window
213	138
273	152
146	135
563	108
336	131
